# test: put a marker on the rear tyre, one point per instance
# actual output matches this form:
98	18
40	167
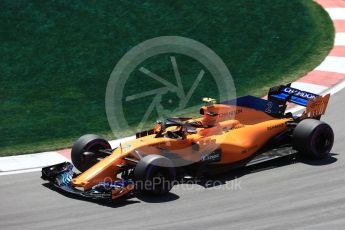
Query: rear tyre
85	151
313	139
154	174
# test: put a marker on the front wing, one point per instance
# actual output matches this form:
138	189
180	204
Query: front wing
61	175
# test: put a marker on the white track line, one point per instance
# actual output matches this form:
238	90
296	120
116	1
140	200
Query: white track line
333	64
30	161
20	171
335	89
336	13
34	162
339	39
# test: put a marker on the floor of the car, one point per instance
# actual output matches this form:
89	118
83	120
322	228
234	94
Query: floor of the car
272	154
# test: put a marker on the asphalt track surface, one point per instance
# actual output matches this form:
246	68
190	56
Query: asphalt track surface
284	194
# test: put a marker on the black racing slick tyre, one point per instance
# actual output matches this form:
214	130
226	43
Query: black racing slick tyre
85	151
313	139
154	174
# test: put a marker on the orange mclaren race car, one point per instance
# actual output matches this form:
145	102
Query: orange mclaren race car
240	132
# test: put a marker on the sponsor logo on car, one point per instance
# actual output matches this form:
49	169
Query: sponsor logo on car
211	157
275	126
230	113
298	93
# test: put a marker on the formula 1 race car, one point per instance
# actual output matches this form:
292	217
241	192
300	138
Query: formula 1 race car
231	134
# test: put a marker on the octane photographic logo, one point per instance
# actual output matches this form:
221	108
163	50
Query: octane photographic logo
137	94
196	184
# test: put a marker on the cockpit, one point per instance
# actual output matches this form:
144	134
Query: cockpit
176	128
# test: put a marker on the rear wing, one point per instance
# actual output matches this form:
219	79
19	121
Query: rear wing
315	104
316	107
284	93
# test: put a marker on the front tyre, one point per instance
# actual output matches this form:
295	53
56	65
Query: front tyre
154	174
85	151
313	139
